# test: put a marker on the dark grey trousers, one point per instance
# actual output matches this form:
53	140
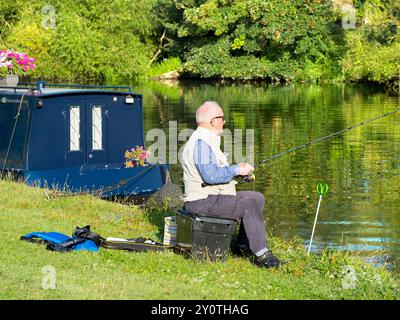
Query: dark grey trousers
246	205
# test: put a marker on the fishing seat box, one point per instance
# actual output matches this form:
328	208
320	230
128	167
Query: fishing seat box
207	237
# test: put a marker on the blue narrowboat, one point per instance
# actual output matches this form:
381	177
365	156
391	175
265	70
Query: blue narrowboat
73	138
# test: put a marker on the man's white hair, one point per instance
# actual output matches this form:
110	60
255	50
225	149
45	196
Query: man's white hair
207	111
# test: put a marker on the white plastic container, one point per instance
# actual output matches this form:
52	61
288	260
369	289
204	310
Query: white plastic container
170	231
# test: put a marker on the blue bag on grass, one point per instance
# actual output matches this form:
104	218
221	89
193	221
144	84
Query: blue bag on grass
82	239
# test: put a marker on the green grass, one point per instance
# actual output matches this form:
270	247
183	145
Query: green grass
112	274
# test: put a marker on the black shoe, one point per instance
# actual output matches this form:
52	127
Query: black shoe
267	260
241	251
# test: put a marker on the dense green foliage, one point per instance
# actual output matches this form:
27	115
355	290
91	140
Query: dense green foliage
258	39
83	39
235	39
374	46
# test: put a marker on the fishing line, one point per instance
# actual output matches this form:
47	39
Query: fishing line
250	177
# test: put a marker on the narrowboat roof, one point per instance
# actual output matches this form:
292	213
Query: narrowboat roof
42	89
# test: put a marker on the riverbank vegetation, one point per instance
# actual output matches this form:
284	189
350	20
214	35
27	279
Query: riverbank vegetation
306	41
112	274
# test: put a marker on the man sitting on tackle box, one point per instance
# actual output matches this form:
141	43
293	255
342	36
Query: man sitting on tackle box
210	188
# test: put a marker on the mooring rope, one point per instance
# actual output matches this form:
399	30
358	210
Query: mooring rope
13	132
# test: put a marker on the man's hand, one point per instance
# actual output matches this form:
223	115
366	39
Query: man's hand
245	169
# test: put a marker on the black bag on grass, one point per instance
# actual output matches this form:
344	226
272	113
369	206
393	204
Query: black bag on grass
138	244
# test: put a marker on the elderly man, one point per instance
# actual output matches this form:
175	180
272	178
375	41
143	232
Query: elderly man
210	188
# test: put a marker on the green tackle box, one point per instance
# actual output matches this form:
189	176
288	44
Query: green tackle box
206	237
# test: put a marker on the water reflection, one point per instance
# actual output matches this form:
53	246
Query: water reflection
362	166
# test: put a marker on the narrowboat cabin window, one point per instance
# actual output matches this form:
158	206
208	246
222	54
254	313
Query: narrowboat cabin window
97	131
74	128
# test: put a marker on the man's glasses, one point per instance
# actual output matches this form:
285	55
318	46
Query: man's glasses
219	117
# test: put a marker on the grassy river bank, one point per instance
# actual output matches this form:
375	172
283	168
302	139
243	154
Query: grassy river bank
112	274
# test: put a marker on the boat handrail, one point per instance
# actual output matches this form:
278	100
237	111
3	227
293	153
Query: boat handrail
42	84
15	88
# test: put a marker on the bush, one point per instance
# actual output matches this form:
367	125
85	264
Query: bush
89	40
374	47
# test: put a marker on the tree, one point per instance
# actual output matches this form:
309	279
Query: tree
242	39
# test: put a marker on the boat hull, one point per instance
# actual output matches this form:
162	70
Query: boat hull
106	181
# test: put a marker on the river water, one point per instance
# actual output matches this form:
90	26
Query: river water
360	213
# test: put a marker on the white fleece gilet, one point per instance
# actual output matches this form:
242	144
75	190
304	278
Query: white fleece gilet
191	176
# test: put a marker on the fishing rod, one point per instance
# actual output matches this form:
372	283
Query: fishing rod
251	177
